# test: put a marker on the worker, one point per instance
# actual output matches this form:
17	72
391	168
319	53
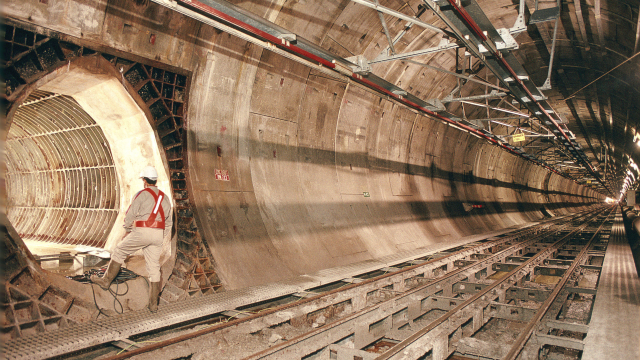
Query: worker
147	221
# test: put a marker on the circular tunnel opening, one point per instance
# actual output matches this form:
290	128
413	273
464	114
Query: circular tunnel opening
62	185
74	152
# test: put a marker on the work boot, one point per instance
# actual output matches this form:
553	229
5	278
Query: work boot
154	293
112	271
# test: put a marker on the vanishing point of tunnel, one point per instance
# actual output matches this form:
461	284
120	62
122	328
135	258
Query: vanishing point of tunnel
348	179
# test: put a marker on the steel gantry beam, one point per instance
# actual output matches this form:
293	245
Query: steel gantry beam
507	42
474	30
399	15
249	27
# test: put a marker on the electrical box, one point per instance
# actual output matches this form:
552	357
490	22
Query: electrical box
631	198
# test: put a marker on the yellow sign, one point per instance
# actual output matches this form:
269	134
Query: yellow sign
518	137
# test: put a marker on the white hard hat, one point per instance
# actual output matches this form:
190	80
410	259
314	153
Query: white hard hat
149	172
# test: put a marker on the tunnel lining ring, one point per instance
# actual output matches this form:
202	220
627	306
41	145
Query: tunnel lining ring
61	180
149	83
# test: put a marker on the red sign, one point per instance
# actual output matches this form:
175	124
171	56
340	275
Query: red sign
222	175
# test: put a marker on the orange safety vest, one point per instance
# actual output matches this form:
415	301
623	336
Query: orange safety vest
150	222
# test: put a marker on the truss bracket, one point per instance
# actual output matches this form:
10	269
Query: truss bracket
509	43
291	38
362	65
436	105
546	85
519	25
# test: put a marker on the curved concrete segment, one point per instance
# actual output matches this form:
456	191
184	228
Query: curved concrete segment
323	173
291	169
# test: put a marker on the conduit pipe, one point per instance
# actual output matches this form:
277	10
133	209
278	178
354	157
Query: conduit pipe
490	46
240	23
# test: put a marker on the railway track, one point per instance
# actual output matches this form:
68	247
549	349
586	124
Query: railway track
463	315
425	308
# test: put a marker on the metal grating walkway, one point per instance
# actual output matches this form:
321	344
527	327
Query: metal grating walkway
82	336
614	330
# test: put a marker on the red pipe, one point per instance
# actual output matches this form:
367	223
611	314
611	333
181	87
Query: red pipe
286	45
255	31
466	17
476	29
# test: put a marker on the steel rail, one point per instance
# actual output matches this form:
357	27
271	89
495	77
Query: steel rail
333	294
408	346
330	294
528	330
403	300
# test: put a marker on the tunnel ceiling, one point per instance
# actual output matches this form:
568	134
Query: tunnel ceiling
587	128
592	84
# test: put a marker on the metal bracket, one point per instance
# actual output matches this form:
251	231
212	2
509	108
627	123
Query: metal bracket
444	44
546	85
519	25
437	105
362	65
291	38
509	43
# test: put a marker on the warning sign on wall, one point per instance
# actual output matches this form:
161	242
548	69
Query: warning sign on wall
222	175
518	137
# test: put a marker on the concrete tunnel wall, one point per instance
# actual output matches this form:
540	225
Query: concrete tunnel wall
301	148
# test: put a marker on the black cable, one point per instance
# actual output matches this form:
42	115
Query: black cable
96	303
115	298
123	276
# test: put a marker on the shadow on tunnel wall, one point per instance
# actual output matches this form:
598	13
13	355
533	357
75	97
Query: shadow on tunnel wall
143	81
273	152
237	217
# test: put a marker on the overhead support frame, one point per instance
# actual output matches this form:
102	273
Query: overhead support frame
249	27
380	8
386	29
444	45
421	9
474	30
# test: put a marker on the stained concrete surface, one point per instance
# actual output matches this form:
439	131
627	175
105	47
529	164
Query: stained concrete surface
322	172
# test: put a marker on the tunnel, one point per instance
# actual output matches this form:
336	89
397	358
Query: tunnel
308	147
